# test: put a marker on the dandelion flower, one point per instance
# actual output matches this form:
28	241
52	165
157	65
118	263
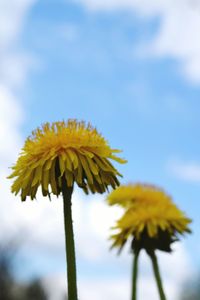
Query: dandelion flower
127	195
55	157
151	225
151	220
71	150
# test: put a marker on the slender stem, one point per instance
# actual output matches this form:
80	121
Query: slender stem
69	243
135	275
157	274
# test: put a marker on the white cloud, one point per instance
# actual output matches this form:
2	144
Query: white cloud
119	287
15	64
188	171
144	7
89	289
92	222
44	232
177	36
10	118
12	17
13	70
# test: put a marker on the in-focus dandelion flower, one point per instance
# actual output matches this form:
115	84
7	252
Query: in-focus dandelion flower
71	150
153	221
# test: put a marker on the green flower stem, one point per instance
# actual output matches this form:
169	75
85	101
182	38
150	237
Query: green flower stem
157	274
135	275
69	243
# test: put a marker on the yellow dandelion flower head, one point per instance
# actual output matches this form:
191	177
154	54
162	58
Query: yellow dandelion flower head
130	194
152	222
71	151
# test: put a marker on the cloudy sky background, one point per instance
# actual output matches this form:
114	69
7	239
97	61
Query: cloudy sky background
131	68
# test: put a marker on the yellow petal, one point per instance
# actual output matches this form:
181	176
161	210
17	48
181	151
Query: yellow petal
62	166
86	168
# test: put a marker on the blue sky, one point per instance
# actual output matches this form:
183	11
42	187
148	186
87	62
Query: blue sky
120	68
93	67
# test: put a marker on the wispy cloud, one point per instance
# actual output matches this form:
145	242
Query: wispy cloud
92	247
13	14
119	287
177	35
185	170
144	6
11	116
14	66
14	63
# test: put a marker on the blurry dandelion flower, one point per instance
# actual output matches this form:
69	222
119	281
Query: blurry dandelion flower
130	194
152	220
71	150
